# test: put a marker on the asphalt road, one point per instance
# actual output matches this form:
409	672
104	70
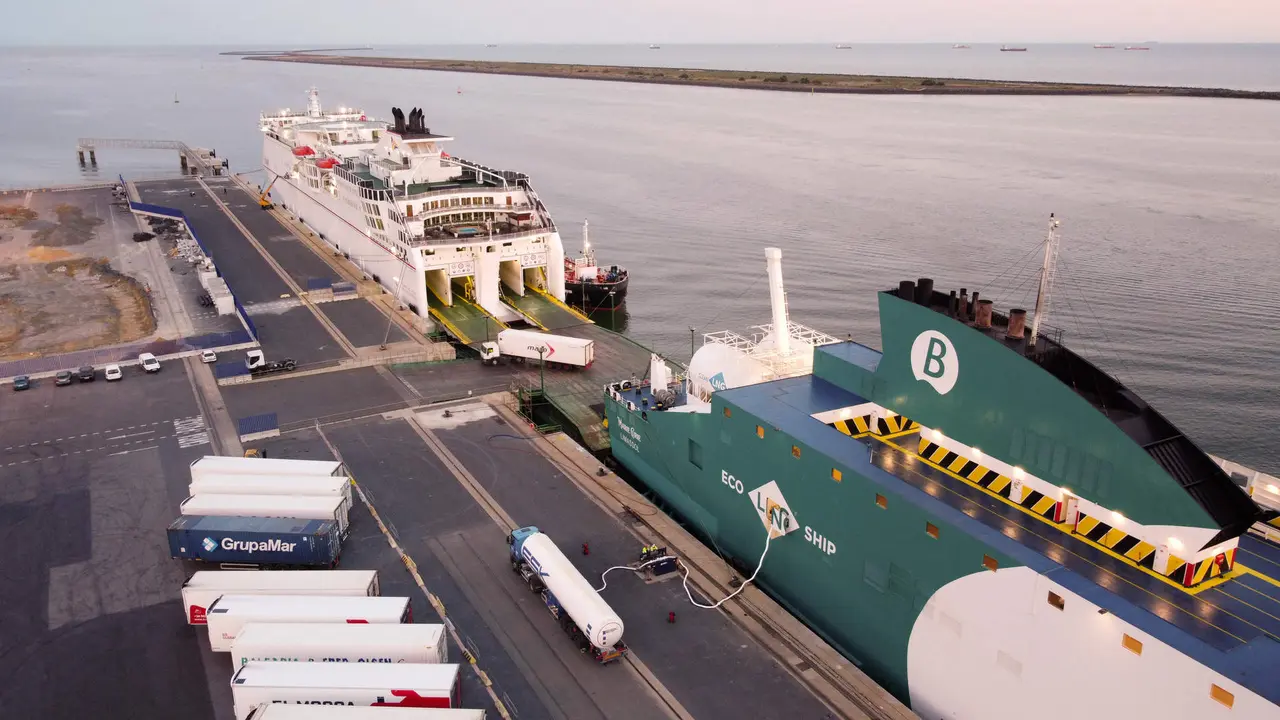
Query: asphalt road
90	619
711	666
361	323
326	396
286	329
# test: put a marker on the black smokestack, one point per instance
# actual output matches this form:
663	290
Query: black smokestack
924	291
907	290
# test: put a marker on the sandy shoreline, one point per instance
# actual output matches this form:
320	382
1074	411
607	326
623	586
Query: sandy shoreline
778	82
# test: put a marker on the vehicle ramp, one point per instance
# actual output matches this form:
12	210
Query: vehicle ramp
465	320
543	310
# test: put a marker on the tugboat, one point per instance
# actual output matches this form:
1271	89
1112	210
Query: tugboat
590	286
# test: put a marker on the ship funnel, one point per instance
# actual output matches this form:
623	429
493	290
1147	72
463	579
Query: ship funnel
1017	323
982	314
778	300
964	305
907	290
924	291
973	306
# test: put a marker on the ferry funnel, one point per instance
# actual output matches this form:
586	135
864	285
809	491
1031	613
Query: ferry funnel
778	300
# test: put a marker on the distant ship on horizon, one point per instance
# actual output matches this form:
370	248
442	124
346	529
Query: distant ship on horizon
1006	48
1104	47
959	47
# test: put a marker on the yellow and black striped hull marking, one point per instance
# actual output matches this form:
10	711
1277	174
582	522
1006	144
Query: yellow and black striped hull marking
1118	541
882	427
977	474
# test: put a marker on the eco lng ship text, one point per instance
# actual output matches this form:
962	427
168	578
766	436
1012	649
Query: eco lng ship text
470	246
985	522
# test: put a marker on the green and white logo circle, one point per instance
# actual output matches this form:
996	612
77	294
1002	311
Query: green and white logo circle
934	360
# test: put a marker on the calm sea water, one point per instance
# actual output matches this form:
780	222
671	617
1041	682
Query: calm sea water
1171	232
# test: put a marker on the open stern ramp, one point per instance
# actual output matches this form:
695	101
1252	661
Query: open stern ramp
543	310
466	321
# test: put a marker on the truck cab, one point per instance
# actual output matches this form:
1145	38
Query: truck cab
489	353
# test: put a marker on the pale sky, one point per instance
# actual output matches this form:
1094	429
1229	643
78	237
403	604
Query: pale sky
295	23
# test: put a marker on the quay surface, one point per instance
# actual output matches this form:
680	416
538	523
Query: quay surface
762	80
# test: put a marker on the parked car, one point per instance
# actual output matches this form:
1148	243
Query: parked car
112	372
208	356
149	362
87	374
22	382
255	453
62	378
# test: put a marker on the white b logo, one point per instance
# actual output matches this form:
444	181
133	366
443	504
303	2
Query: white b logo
934	360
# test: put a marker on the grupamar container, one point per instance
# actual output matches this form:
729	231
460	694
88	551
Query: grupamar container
339	643
258	541
199	592
225	465
230	613
309	507
400	686
280	711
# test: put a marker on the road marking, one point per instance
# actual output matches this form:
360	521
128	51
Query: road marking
121	437
191	432
126	452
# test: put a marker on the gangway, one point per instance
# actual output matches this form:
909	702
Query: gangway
464	320
543	310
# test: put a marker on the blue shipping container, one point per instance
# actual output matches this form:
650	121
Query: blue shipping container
256	541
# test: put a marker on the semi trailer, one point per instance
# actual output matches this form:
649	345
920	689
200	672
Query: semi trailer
228	540
228	615
529	345
339	642
580	610
204	587
298	485
232	465
373	685
307	507
278	711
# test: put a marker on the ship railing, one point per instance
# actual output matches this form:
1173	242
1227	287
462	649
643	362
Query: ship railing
418	240
505	178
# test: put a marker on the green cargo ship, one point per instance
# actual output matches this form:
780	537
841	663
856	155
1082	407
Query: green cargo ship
988	524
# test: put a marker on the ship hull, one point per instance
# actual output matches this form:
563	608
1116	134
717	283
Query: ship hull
596	296
920	612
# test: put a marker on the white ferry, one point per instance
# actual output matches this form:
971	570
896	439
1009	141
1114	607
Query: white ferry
438	232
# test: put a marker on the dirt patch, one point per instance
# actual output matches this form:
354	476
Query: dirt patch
42	254
13	217
73	228
69	305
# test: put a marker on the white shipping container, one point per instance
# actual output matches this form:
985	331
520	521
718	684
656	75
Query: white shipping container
229	465
402	686
299	485
230	613
336	642
205	586
557	348
277	711
305	507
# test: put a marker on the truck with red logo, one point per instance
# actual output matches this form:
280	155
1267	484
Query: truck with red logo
533	346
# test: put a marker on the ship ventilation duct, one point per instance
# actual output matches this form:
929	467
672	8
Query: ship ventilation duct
963	314
1017	323
924	291
778	300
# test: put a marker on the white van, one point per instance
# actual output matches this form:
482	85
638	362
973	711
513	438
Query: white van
149	362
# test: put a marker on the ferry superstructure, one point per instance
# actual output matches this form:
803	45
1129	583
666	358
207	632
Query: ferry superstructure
985	522
469	245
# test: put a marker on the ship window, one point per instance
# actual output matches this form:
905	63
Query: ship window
931	529
408	210
728	412
990	563
882	501
1132	644
1056	600
760	431
795	451
836	474
1221	695
695	454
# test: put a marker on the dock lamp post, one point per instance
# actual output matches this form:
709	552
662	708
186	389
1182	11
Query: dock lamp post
693	343
542	370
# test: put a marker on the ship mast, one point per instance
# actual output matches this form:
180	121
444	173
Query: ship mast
1046	279
587	253
778	301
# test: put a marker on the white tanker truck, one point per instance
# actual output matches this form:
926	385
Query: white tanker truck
582	613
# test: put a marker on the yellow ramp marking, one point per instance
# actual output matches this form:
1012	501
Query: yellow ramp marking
861	424
958	464
1086	525
999	484
938	455
1043	506
1112	537
1139	552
